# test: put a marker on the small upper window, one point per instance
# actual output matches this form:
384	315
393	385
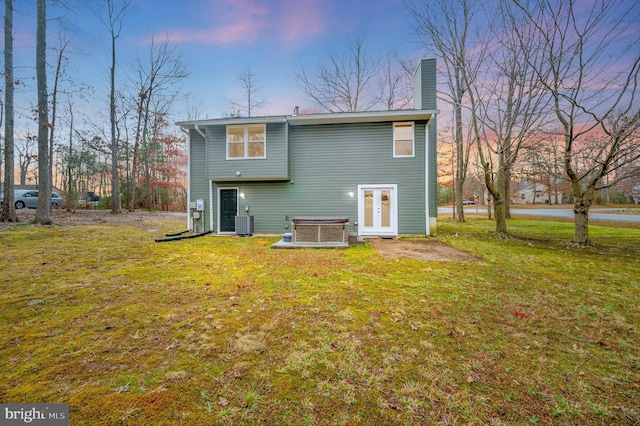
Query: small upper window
403	145
246	142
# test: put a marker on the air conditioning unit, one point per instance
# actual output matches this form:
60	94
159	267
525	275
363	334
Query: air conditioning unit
244	225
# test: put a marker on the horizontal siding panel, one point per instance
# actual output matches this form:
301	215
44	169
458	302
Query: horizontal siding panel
433	169
274	166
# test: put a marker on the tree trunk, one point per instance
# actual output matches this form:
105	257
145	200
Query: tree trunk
8	213
136	156
43	212
581	219
54	105
581	205
459	206
460	154
115	197
499	201
146	148
507	193
501	221
70	192
23	174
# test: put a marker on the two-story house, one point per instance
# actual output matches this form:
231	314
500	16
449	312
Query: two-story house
376	168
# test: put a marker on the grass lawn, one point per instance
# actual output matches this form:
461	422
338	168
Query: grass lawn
222	330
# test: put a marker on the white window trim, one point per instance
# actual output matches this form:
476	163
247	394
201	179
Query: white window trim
394	210
246	141
413	138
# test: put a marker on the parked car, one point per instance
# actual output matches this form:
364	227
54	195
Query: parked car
29	198
465	202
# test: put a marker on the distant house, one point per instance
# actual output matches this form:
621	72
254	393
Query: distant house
635	194
378	169
536	193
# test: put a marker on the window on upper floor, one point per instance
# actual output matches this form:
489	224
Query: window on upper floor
403	145
246	142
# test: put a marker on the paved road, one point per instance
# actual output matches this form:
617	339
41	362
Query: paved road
594	213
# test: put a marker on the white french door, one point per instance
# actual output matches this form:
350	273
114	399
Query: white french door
377	210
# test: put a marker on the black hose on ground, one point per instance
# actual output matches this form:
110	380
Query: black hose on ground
173	234
182	237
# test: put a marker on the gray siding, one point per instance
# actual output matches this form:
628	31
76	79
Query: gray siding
198	183
424	85
328	162
425	97
274	167
433	168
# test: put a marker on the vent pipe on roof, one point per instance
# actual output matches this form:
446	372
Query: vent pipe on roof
296	109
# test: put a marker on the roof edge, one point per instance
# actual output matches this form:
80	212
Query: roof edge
320	118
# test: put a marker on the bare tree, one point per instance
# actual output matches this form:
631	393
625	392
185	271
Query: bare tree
113	21
251	100
507	107
8	213
345	82
591	74
43	211
395	82
450	29
26	155
542	163
72	194
157	75
193	109
64	43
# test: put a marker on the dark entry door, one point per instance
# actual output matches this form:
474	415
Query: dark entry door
228	209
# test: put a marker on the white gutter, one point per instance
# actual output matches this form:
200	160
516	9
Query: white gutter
426	178
361	117
320	118
188	180
211	204
200	132
232	121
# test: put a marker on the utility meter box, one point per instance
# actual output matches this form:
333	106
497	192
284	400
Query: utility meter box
192	205
200	205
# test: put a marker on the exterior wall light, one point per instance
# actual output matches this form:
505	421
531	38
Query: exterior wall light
238	173
242	195
350	194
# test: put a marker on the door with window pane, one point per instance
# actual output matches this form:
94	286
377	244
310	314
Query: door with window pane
377	211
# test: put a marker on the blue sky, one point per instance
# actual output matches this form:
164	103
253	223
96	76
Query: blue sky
218	39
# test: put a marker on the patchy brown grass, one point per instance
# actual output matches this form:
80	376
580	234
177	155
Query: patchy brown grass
420	249
228	331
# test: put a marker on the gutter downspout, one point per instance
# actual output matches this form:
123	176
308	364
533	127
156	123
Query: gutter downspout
426	177
286	142
200	132
206	156
188	177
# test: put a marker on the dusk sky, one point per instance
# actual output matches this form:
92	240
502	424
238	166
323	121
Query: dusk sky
218	39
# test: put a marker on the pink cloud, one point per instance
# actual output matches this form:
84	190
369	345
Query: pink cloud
245	21
241	32
300	20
